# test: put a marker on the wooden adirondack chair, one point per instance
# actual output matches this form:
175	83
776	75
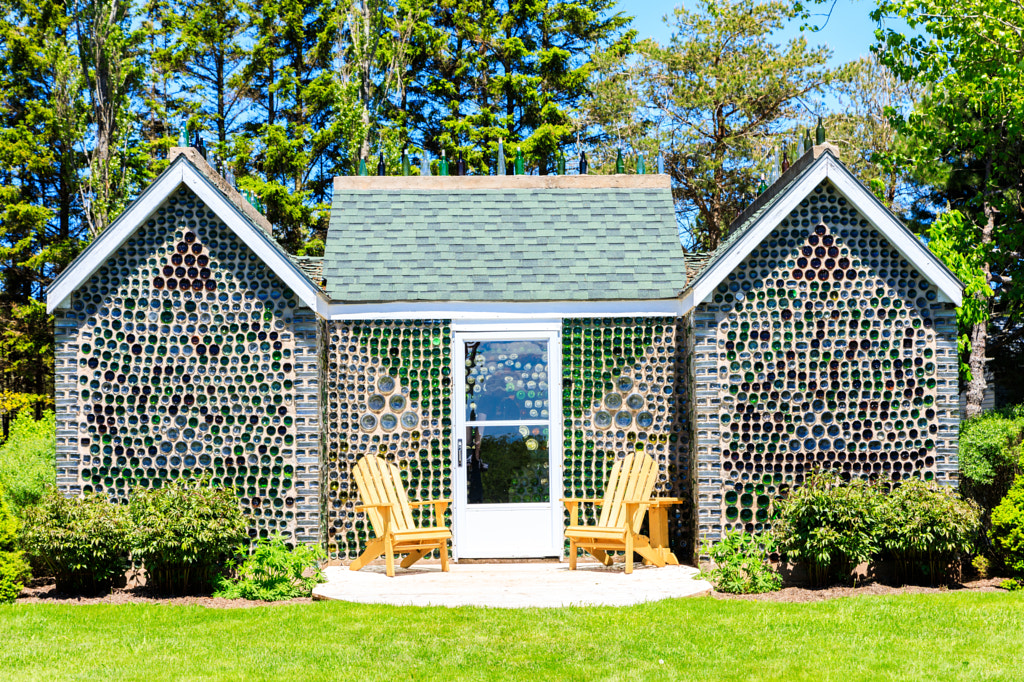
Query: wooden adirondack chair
627	498
390	512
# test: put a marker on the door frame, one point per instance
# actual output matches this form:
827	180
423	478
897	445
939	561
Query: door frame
508	331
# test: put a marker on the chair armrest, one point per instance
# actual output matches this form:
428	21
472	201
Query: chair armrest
632	507
384	509
666	501
439	508
573	505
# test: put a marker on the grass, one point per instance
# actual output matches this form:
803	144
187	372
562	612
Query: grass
907	637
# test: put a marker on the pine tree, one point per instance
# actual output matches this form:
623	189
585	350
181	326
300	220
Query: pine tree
209	56
290	147
42	131
488	70
723	91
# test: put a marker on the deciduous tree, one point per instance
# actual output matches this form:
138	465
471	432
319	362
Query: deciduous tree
967	55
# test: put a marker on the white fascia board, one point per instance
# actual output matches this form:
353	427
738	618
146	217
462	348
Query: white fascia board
94	255
503	310
259	243
933	269
866	203
178	173
731	259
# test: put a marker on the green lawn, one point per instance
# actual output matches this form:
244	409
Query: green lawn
908	637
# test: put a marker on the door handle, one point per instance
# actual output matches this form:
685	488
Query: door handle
460	452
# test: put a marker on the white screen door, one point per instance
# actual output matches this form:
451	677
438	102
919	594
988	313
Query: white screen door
508	446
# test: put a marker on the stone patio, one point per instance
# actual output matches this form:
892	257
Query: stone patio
511	585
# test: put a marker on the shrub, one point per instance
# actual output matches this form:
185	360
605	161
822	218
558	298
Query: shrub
926	527
741	564
829	526
14	572
1007	530
272	572
982	566
185	534
27	460
83	542
990	450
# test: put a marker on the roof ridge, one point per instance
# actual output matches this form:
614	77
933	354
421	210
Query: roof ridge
798	167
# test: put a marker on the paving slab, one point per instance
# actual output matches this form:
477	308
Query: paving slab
516	585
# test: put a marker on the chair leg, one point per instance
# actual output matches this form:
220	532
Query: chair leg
372	551
389	556
601	556
413	557
572	555
629	553
444	555
650	554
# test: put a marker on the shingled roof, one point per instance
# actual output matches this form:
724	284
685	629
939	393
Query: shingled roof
526	238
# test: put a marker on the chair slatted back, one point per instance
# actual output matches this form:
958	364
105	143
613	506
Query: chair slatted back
631	478
381	483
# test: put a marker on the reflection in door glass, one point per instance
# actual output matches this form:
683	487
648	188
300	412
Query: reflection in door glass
506	380
507	464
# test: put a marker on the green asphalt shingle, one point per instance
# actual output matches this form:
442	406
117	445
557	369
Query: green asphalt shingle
503	245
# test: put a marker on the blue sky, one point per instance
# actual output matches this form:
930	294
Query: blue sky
849	32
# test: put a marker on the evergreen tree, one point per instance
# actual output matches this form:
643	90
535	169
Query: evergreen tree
487	70
208	55
723	91
42	129
289	149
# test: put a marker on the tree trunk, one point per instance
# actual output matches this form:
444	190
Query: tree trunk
977	360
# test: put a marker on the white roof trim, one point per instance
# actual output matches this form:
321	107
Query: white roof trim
502	310
180	172
827	167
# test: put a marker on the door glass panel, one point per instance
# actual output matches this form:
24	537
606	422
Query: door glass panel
507	464
506	380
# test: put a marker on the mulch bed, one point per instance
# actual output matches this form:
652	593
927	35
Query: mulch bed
809	594
44	591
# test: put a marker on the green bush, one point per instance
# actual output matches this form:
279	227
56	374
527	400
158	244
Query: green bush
829	526
926	527
185	534
741	564
14	571
27	459
1007	531
990	453
272	572
83	542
